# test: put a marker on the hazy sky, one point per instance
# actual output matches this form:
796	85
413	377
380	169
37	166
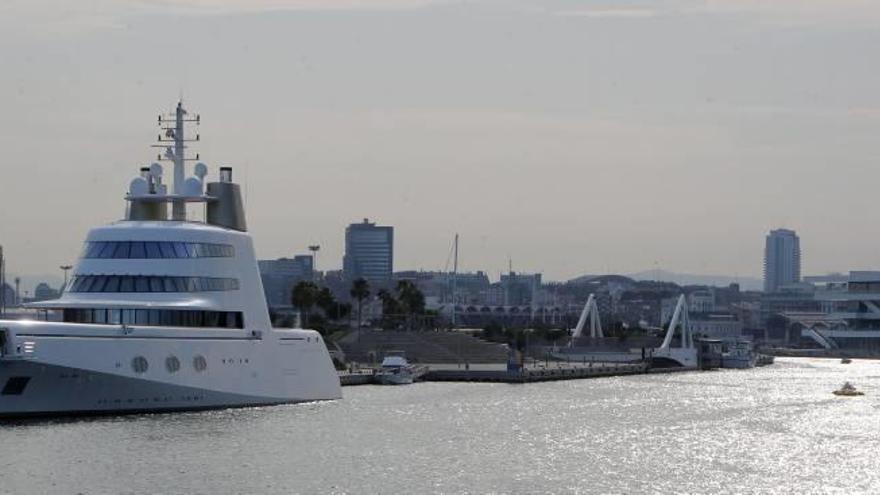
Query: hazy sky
572	136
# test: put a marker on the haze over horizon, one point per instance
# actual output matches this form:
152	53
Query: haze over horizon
572	137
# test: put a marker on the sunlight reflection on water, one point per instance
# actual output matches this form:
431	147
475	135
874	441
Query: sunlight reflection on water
775	429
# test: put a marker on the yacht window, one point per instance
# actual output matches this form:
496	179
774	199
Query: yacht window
94	249
212	319
152	249
200	363
107	250
98	283
167	250
112	284
139	364
180	250
142	317
122	250
128	317
156	250
141	284
77	283
100	316
166	318
86	285
156	317
145	283
137	250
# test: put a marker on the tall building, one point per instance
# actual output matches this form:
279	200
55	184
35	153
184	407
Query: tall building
281	275
369	252
782	259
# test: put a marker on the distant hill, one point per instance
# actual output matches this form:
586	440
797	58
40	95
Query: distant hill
603	278
745	283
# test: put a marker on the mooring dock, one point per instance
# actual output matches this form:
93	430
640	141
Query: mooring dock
536	373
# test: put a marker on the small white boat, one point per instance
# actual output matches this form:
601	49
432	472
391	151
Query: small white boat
396	370
848	390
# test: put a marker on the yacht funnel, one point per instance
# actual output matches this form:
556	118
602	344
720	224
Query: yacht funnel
226	208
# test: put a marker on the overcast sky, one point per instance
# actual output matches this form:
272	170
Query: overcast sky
569	136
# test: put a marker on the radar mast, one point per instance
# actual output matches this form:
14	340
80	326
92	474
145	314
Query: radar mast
172	139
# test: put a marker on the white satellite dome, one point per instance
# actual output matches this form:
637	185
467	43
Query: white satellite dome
200	170
192	186
139	187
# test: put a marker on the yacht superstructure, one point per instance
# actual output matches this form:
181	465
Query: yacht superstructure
163	313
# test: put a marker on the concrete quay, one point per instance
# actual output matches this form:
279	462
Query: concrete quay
532	374
363	378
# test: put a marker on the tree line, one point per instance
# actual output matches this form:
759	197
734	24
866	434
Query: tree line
402	308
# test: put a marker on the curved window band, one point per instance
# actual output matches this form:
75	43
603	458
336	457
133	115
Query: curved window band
155	250
155	317
147	283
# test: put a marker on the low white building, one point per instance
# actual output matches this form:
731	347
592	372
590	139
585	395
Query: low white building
720	326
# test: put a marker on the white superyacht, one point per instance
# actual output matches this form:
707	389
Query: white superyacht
163	312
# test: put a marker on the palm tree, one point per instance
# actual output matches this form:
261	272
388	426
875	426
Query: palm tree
360	290
411	299
303	297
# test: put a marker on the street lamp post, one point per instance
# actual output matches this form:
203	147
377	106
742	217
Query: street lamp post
314	248
65	269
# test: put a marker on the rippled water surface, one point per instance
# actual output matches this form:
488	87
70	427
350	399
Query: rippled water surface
775	429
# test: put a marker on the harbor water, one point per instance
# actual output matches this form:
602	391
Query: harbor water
773	429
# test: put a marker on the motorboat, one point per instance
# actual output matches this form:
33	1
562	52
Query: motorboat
396	370
848	390
739	354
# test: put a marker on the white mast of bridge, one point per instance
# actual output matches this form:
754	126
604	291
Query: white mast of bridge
591	312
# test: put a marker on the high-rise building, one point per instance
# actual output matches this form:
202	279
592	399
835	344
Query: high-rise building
279	276
369	252
782	259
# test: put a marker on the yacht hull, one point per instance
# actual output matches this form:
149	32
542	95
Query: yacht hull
47	371
60	391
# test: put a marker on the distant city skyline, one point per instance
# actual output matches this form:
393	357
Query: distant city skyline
568	137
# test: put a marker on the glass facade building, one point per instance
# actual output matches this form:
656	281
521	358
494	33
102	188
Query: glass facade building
369	252
782	259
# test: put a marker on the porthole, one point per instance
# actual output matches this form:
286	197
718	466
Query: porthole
200	363
139	364
172	364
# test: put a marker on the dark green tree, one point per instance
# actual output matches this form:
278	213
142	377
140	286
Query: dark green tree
411	299
324	299
303	297
360	290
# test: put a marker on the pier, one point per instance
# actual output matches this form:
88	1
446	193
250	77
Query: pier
499	374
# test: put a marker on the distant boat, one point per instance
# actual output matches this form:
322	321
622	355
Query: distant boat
740	354
396	370
845	360
848	390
